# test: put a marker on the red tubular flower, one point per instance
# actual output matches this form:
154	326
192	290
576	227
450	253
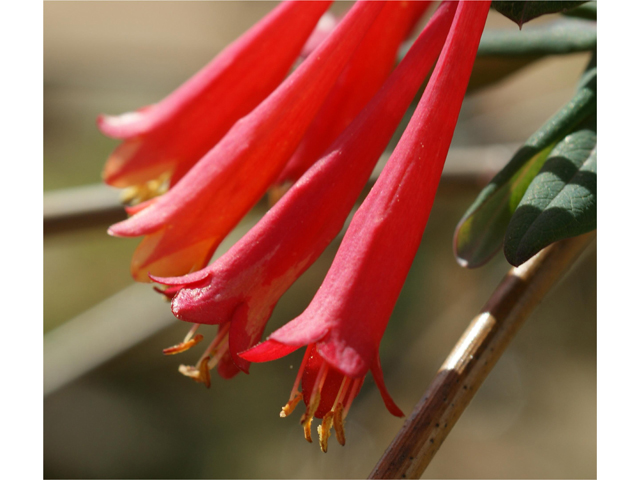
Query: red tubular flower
243	286
168	138
325	26
358	83
344	323
184	227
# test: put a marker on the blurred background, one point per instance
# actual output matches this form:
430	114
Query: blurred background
115	407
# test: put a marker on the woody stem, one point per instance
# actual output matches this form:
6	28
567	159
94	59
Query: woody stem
473	357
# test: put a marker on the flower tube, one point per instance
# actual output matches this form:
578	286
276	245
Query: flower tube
184	227
345	321
242	287
361	79
325	26
166	139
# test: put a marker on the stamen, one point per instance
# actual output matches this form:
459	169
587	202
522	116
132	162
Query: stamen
314	401
294	390
291	405
324	430
189	371
199	373
355	388
188	342
335	417
223	330
219	352
344	388
191	331
295	396
306	421
205	376
338	424
145	191
130	194
217	348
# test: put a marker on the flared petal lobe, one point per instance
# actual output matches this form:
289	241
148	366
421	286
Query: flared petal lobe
172	135
184	227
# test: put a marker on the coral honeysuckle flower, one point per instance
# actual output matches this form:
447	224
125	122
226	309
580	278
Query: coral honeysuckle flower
241	288
168	138
325	26
183	227
361	79
344	323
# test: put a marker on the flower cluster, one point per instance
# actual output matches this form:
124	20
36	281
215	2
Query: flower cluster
322	129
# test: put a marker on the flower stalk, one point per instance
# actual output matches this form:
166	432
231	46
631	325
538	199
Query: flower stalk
473	357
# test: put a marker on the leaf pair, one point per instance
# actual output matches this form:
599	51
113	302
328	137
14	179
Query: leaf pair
547	191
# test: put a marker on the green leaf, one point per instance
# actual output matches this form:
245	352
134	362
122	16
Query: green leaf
502	53
560	201
523	11
480	233
587	11
556	38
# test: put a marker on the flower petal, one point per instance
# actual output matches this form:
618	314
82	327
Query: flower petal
361	79
267	351
176	132
360	290
217	192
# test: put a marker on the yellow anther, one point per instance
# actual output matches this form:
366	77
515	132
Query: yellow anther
338	424
205	376
311	408
306	425
307	418
130	194
146	191
199	373
291	405
183	346
189	371
324	430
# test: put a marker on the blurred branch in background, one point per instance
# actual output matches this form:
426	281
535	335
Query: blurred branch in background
101	333
473	358
95	205
81	207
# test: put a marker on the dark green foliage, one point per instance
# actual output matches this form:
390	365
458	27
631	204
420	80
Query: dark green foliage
524	11
555	38
560	201
587	11
481	231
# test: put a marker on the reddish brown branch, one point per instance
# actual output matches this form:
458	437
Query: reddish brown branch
473	357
